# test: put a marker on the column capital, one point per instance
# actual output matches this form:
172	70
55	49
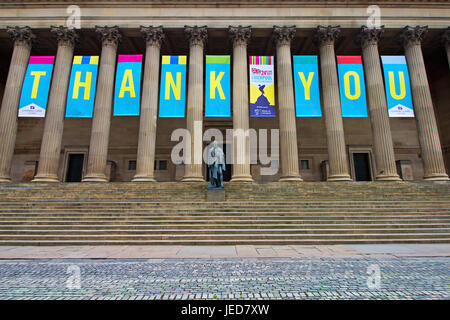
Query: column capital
283	35
445	38
240	35
154	36
412	35
21	34
325	35
109	35
196	35
65	35
367	36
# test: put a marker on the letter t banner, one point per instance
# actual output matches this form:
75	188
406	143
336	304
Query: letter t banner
351	86
33	99
128	85
306	81
217	91
172	95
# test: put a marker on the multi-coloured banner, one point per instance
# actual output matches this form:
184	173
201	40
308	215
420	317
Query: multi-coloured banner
217	92
33	99
127	91
83	80
306	80
398	89
172	96
351	86
262	87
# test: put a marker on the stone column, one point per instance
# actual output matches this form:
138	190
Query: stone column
337	152
197	37
376	98
154	37
446	41
23	38
433	162
241	137
98	148
288	127
54	119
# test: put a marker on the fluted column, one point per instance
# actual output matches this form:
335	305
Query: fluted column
288	128
54	120
337	153
446	42
376	98
22	37
154	37
197	37
433	162
101	122
241	138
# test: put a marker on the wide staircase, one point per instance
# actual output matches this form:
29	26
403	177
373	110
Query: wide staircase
179	213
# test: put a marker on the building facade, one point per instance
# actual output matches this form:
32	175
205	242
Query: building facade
330	147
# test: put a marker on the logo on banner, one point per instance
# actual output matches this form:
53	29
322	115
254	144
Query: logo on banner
83	80
351	86
172	97
127	91
262	87
398	89
217	93
306	81
36	85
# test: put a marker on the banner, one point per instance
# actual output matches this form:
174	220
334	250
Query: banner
351	86
398	89
306	81
83	80
33	99
217	92
262	88
127	92
172	96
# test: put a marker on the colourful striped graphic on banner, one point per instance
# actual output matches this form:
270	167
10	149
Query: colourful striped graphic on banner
306	80
217	92
351	86
260	60
398	88
262	87
36	85
172	96
127	91
83	81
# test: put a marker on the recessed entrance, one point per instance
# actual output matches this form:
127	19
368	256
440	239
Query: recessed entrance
75	167
361	163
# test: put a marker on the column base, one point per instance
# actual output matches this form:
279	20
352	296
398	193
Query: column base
339	177
192	179
143	178
46	179
5	179
291	178
384	177
241	179
436	177
95	178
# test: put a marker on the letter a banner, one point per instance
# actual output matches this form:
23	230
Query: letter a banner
217	92
262	87
398	89
306	81
33	99
351	86
172	96
83	80
127	92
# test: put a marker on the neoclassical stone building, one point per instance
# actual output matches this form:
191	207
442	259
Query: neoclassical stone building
138	148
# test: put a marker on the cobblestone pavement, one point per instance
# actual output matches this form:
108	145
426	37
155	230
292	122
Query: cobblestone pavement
233	278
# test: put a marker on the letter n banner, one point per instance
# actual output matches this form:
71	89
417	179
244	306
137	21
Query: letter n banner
127	92
217	91
172	96
306	80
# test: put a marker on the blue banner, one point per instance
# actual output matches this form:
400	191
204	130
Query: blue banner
217	93
172	96
127	92
351	86
398	89
83	80
306	80
33	99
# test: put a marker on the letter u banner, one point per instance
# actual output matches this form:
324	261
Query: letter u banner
217	92
351	86
127	92
262	87
398	89
83	80
306	80
172	96
33	99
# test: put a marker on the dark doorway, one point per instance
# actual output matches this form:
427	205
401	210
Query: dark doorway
75	167
228	168
362	166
